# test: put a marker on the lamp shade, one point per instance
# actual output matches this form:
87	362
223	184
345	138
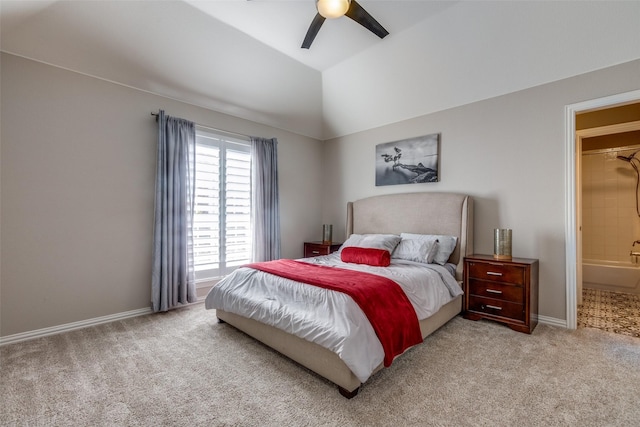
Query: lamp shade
332	8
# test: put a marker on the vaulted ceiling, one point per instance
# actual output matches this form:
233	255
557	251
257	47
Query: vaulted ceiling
244	57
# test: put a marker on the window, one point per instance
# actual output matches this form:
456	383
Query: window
222	218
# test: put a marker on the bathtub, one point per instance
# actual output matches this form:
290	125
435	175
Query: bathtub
611	275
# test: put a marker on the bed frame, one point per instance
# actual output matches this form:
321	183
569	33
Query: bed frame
423	213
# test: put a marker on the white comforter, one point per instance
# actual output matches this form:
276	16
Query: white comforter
329	318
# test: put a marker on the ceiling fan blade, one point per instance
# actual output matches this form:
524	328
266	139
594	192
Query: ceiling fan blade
313	31
362	17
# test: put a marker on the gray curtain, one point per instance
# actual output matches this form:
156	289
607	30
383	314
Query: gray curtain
172	278
265	204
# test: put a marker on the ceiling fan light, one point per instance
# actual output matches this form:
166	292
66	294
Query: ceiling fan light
332	8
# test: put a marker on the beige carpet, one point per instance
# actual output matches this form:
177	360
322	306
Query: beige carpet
610	311
184	369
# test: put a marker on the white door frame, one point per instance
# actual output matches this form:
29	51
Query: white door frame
571	200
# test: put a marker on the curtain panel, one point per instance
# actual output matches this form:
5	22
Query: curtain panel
265	199
173	278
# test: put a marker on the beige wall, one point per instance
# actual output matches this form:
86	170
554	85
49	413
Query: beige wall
77	185
507	152
608	116
78	162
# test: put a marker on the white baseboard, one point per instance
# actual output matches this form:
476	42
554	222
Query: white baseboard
552	321
38	333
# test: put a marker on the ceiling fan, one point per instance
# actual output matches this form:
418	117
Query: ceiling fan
337	8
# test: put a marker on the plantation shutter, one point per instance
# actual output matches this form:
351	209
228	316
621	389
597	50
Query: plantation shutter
222	220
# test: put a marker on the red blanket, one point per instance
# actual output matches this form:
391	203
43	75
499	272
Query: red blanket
382	300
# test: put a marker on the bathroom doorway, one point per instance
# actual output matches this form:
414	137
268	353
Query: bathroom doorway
609	211
598	113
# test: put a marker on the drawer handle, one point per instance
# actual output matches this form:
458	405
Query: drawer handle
493	291
492	273
491	306
315	252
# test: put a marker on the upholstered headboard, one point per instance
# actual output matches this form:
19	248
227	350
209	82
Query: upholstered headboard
423	213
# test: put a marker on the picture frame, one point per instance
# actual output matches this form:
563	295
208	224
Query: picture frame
408	161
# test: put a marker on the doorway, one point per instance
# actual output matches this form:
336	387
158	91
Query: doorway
609	220
605	188
573	248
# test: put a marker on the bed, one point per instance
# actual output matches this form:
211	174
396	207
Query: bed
422	213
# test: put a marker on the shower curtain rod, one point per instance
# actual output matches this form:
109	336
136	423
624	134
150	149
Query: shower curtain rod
247	137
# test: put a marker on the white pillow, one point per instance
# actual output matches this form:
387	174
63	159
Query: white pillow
416	250
377	241
445	247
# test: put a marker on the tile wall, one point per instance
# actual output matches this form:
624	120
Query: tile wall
610	223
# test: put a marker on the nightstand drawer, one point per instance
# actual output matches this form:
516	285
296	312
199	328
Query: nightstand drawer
312	249
505	292
497	272
497	307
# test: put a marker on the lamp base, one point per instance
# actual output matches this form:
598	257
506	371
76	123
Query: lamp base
502	243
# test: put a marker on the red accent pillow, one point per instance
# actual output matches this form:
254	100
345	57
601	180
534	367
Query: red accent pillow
369	256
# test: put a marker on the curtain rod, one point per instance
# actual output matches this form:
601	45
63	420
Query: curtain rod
214	129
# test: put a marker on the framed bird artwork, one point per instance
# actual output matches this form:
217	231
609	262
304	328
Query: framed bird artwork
408	161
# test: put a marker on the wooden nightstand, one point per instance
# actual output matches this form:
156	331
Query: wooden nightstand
312	249
502	290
